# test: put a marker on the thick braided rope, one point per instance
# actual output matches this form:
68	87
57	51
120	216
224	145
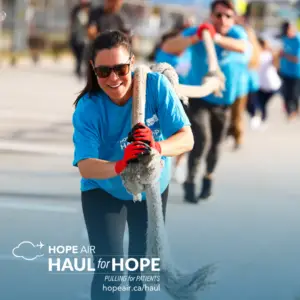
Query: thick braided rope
144	177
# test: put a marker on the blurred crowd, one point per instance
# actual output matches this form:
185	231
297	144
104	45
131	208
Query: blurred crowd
254	73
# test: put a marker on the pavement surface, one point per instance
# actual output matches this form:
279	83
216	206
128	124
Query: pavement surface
250	229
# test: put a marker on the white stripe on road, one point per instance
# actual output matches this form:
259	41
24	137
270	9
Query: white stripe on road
35	148
38	116
35	206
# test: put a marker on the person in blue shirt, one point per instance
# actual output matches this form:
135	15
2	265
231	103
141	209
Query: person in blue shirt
246	86
209	115
102	122
251	85
289	68
181	62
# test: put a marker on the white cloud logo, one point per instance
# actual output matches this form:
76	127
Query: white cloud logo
27	250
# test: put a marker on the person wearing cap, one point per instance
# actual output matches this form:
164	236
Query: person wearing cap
289	68
209	115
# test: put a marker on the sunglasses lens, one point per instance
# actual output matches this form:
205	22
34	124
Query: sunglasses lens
103	72
119	70
122	70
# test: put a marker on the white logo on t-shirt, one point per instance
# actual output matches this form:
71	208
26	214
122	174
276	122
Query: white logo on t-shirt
152	120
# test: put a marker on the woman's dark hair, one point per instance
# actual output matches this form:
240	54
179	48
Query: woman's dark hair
284	28
107	40
166	36
262	42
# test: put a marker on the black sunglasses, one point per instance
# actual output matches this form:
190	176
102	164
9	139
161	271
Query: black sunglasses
220	15
119	70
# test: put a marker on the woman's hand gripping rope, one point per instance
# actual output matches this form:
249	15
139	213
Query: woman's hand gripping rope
132	153
142	133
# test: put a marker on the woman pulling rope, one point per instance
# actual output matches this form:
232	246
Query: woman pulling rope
101	125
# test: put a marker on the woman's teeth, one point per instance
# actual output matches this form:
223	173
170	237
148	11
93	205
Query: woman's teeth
115	86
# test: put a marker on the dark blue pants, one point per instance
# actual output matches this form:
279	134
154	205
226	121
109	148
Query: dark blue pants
263	99
290	92
253	105
209	126
105	218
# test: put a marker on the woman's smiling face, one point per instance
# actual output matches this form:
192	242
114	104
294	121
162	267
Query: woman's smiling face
113	70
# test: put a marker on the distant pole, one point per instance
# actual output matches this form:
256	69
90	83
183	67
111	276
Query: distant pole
2	17
20	28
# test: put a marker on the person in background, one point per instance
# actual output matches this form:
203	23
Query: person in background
102	124
107	17
210	115
236	128
181	62
253	107
251	79
289	69
269	80
78	27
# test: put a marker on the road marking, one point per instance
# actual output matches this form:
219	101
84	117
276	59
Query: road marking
36	116
36	148
35	206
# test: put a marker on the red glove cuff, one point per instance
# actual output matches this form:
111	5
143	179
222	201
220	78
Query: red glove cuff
120	166
206	26
157	147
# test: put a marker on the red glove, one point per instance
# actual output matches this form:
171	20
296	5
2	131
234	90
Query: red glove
131	152
206	26
140	132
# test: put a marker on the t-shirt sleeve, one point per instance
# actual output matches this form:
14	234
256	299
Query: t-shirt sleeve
86	134
239	33
297	47
171	114
94	15
189	31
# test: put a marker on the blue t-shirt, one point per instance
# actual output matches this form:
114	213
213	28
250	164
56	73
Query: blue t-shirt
243	86
291	46
253	81
231	63
101	129
248	82
181	63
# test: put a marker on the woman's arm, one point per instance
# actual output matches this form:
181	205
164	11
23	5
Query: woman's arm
182	141
231	44
289	57
93	168
179	43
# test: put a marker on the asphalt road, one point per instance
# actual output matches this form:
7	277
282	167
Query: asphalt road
250	229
